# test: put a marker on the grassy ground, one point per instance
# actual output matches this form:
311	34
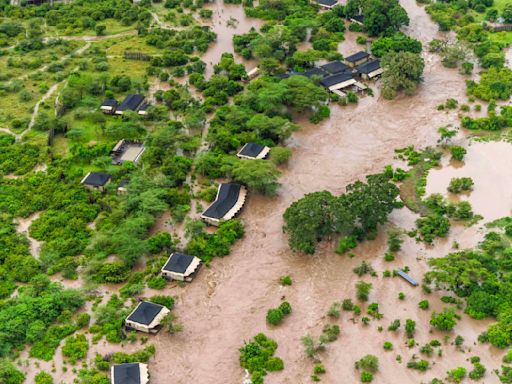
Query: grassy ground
113	27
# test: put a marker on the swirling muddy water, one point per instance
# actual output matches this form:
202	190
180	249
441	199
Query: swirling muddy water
488	164
227	302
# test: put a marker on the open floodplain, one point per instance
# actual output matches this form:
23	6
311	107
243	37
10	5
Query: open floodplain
178	177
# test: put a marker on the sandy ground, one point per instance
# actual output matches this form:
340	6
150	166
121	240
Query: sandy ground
227	302
23	226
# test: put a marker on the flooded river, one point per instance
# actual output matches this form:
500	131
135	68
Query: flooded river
227	20
488	164
227	302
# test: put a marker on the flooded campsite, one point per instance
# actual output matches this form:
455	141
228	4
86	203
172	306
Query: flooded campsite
151	227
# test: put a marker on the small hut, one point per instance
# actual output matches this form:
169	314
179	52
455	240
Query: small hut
335	67
96	180
180	266
253	151
130	373
358	19
132	102
228	202
146	317
357	58
253	73
109	106
370	70
122	187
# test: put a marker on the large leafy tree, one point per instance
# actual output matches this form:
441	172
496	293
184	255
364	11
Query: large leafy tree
402	71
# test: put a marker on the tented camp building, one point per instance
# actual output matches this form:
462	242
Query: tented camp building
130	373
370	70
230	199
96	180
109	106
181	266
126	150
336	83
253	151
357	58
146	317
334	67
132	102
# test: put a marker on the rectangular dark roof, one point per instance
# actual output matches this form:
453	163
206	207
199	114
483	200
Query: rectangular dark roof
359	18
406	277
336	79
145	313
251	150
96	179
335	67
369	67
226	199
329	3
314	72
131	102
126	374
357	56
178	262
110	103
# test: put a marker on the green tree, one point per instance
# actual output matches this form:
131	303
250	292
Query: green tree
259	175
402	71
444	321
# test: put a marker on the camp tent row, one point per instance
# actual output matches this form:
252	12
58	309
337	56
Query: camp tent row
132	102
228	202
337	76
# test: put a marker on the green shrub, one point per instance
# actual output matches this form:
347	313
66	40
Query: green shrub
43	378
444	321
257	357
157	282
456	375
388	345
75	348
368	363
366	377
424	304
280	155
457	152
460	184
363	290
420	365
285	280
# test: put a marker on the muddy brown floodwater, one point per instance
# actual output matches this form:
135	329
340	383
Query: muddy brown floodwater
488	164
222	14
227	302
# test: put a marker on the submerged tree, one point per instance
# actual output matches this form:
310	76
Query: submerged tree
402	71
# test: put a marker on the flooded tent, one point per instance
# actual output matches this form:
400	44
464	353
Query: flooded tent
407	278
335	67
146	317
181	266
130	373
340	81
253	73
109	106
96	180
357	58
229	200
253	151
370	70
132	102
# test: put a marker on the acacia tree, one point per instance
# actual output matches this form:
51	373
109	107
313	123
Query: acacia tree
402	71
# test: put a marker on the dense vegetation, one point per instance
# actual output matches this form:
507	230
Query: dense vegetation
357	213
